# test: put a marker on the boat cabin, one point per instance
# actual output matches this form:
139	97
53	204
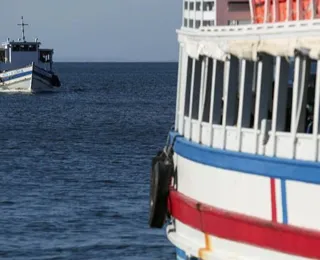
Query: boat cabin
16	54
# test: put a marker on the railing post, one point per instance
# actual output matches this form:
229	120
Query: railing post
179	88
263	93
295	94
280	97
216	95
191	98
203	91
245	98
316	125
230	88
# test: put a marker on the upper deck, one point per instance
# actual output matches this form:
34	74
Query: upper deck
203	14
247	41
253	88
206	13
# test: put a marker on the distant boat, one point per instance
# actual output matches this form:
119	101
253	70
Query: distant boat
24	66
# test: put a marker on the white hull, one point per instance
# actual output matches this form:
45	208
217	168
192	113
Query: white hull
29	79
245	185
223	211
237	193
191	243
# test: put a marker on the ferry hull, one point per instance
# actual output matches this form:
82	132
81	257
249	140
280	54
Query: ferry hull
241	210
244	156
29	79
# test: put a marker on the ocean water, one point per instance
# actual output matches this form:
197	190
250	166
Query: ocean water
74	170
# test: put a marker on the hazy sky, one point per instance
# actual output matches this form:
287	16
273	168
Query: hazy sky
98	30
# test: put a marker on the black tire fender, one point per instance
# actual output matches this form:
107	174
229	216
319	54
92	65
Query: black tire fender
159	189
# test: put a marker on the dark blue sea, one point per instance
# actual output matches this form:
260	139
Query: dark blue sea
74	165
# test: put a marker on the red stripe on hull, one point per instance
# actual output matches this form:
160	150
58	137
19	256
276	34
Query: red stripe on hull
273	200
244	229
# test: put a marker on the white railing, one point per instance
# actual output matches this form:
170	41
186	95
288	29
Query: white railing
264	30
235	132
277	144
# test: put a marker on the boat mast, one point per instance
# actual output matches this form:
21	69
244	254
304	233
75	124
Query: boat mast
22	24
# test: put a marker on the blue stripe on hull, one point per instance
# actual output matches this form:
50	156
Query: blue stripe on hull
27	73
181	255
284	202
272	167
16	76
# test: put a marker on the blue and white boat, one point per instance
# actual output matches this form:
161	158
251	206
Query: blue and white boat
25	67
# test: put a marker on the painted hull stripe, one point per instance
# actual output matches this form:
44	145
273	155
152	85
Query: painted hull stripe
273	200
271	167
44	75
180	254
245	229
16	76
284	202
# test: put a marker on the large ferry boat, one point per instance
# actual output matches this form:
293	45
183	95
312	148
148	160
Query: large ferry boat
24	66
240	172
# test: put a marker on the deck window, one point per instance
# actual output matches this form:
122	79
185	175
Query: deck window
242	6
208	6
15	48
208	23
190	23
24	47
32	47
2	55
45	56
185	23
198	6
233	22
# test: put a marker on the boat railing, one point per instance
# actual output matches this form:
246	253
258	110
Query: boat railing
233	90
209	13
253	141
271	11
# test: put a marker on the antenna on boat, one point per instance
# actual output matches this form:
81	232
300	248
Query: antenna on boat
22	24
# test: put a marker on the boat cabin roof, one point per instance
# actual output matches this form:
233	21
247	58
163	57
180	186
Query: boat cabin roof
23	43
10	43
46	50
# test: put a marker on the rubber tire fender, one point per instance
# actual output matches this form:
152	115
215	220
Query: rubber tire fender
159	190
